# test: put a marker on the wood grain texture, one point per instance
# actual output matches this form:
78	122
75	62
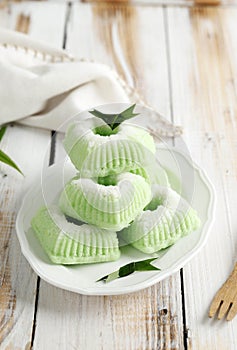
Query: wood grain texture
17	280
207	2
183	3
120	38
203	70
23	23
144	320
150	319
27	146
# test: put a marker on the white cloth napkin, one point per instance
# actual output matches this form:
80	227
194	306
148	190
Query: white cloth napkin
44	87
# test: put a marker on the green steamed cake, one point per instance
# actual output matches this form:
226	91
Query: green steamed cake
112	206
120	186
67	243
166	219
97	151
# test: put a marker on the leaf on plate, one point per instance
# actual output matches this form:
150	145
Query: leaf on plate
113	120
126	270
4	158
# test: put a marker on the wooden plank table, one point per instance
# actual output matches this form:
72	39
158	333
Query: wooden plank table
183	59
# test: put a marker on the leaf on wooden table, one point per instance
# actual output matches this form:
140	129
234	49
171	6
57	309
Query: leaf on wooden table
7	160
4	158
2	131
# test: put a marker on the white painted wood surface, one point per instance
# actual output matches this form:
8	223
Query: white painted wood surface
18	282
184	62
204	72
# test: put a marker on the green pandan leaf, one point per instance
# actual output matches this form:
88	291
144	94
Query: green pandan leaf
4	158
2	131
145	265
126	270
7	160
113	120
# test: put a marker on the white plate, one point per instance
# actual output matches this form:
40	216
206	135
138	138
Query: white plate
81	278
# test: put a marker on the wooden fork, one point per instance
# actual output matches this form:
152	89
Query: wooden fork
225	299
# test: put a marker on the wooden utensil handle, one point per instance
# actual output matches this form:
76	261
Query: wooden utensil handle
234	273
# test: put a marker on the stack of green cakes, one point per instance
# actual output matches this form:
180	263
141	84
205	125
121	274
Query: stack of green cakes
119	191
